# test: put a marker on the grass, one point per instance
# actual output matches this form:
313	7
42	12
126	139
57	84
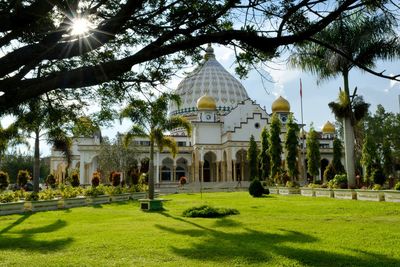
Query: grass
269	231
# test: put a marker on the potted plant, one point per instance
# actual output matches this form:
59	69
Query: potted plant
309	190
45	200
393	195
10	204
291	188
4	180
96	195
339	186
72	197
51	181
371	195
22	178
115	178
323	191
118	193
75	179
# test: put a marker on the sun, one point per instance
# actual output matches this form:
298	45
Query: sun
80	26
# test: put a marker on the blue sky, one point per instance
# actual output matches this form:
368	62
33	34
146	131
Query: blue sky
286	82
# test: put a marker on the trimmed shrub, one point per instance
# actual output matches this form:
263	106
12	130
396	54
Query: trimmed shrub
31	196
266	191
329	172
4	180
23	177
115	178
50	180
8	197
256	189
397	186
95	179
378	176
377	187
339	181
75	180
206	211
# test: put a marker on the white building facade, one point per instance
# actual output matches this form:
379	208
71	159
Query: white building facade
223	118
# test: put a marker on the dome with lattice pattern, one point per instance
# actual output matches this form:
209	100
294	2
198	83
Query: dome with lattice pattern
211	79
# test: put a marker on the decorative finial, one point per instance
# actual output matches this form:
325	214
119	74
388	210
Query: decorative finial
209	52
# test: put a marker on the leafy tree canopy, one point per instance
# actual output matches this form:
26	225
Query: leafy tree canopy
135	44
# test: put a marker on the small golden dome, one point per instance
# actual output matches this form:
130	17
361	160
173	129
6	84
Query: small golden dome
328	128
206	102
280	105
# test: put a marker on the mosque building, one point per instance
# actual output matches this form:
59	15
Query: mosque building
223	118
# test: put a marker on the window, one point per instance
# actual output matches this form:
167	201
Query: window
181	143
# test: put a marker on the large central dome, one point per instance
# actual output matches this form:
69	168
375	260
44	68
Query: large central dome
211	79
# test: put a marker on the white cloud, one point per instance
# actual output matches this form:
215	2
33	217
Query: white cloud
392	83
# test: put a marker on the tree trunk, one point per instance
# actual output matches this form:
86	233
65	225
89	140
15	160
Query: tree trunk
348	130
151	171
36	164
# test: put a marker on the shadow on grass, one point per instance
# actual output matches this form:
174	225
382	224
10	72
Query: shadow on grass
259	247
26	239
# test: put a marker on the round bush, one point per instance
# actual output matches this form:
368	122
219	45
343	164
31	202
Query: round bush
95	179
23	177
115	178
50	180
378	176
256	189
4	180
75	180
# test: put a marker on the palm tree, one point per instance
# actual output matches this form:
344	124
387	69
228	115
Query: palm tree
9	136
150	119
41	120
336	50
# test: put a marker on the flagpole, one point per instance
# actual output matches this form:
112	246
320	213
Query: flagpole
302	133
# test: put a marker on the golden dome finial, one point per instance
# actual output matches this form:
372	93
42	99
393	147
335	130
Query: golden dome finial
280	105
328	128
209	52
206	102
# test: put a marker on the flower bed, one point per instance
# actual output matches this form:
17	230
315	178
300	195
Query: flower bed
323	192
392	195
344	194
41	205
308	192
12	208
370	195
289	191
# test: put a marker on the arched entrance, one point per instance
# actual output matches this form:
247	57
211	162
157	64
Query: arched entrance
166	169
209	167
242	166
181	168
324	164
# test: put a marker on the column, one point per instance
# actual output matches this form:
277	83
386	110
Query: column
217	165
158	167
81	171
234	170
174	173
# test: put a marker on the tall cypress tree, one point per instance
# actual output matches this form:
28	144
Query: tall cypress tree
369	157
252	153
275	146
263	156
291	146
337	155
313	155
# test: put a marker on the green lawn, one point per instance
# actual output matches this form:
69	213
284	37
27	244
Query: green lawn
270	231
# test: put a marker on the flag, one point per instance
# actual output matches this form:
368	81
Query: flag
301	89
